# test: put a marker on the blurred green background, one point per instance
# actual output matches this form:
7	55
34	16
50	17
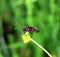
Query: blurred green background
42	14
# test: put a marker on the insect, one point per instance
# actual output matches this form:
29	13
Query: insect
27	33
30	29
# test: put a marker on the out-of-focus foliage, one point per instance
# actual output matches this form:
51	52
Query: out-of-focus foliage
42	14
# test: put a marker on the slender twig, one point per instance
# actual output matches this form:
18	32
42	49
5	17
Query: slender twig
41	47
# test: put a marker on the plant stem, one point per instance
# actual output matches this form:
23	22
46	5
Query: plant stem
41	47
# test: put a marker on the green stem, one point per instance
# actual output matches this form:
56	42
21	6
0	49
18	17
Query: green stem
41	47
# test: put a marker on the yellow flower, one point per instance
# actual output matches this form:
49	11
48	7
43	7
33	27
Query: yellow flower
26	37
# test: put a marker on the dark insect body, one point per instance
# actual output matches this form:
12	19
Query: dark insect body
30	29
